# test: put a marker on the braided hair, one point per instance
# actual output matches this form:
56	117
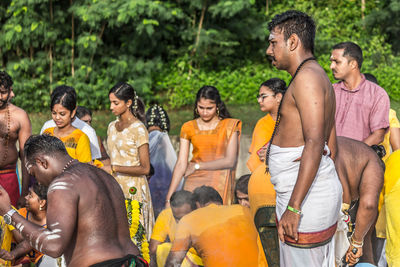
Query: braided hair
157	116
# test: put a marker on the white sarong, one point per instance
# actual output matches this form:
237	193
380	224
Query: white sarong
320	207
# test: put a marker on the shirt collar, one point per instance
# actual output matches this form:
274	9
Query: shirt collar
360	85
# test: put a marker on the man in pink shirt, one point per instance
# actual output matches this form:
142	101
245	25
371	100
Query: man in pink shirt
362	107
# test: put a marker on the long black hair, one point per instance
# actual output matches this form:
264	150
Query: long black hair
211	93
125	92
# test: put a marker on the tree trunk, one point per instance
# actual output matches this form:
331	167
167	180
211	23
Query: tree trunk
51	65
266	7
196	43
103	27
362	8
72	42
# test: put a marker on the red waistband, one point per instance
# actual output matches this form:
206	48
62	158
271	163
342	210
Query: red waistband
314	239
8	169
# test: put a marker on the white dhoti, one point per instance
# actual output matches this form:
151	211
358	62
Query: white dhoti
320	208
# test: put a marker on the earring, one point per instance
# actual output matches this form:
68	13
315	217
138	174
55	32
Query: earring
196	111
218	112
40	208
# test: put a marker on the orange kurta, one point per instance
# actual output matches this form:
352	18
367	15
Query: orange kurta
208	146
261	135
222	236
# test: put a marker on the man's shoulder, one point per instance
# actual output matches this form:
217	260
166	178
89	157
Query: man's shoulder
375	89
18	112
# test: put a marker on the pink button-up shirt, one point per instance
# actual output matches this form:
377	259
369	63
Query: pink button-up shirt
361	111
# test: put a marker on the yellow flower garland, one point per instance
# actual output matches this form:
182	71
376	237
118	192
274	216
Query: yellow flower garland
133	208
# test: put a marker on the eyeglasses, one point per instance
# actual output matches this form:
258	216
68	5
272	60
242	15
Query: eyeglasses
263	96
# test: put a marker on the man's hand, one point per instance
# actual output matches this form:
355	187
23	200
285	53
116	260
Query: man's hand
5	255
5	203
288	225
353	258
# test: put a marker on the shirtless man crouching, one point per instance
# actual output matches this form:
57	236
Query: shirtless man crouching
86	215
361	173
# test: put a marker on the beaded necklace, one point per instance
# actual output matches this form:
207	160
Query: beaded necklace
6	137
67	165
278	118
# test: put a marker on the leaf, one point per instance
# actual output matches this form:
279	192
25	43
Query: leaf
18	28
34	25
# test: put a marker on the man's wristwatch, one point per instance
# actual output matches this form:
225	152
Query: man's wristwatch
8	215
197	166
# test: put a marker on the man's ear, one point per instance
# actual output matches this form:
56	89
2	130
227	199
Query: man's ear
73	113
41	161
293	42
353	63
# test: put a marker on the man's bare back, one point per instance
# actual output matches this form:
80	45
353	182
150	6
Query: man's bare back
310	83
358	165
101	215
86	215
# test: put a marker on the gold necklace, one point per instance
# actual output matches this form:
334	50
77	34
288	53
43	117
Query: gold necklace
6	138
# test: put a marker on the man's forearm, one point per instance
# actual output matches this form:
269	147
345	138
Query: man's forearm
44	240
375	138
366	215
175	258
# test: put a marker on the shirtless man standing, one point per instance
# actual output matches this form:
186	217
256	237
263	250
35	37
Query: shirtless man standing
361	173
86	215
308	191
14	126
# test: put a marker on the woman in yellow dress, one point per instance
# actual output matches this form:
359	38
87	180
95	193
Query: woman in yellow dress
215	139
63	108
128	149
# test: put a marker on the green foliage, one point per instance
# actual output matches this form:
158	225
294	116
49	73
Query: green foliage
168	49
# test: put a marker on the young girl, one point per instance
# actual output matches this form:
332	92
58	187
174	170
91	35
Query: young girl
128	148
162	155
63	107
215	139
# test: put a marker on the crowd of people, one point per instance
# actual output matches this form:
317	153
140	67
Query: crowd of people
322	188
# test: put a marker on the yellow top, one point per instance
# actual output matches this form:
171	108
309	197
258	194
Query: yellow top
391	192
77	144
165	226
393	123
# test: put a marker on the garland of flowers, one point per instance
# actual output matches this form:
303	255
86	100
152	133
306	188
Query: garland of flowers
162	117
136	229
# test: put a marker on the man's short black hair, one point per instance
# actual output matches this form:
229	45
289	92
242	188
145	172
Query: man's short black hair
371	78
83	111
295	22
351	50
5	80
43	145
182	197
205	194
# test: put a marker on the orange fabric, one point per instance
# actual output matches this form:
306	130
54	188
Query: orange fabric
261	190
208	146
222	236
77	144
261	135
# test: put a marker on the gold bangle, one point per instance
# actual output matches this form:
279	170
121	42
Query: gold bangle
112	169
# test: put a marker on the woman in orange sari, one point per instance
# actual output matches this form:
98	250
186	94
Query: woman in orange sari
270	96
261	192
215	139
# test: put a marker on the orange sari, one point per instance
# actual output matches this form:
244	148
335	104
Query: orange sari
211	145
261	135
